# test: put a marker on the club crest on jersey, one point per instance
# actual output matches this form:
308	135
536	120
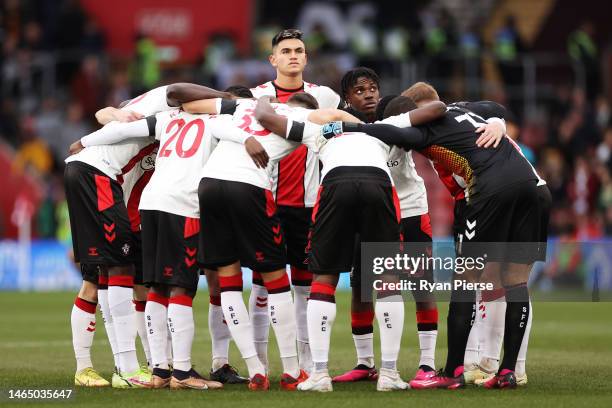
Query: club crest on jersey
125	249
148	162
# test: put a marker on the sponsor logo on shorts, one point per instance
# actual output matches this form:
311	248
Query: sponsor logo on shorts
259	256
93	251
125	249
168	271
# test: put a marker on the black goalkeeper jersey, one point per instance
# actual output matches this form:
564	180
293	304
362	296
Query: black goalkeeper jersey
451	142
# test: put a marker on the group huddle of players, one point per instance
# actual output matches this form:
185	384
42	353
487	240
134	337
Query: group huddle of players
185	180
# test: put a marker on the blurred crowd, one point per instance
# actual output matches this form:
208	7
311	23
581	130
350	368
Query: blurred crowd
56	72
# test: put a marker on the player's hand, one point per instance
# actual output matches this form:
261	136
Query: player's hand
492	134
332	129
126	116
75	147
263	107
257	152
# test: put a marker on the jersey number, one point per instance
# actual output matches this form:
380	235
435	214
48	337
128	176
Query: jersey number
470	117
252	127
181	131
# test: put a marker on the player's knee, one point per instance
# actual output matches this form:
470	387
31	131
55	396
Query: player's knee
121	270
177	291
140	292
89	292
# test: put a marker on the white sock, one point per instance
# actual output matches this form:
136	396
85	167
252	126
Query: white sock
220	336
364	345
141	329
282	317
427	344
122	311
182	330
168	345
157	316
321	316
300	300
258	310
83	322
520	368
108	324
471	357
239	324
493	327
390	317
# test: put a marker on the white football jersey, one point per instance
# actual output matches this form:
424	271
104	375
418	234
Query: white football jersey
112	159
354	149
185	143
409	185
230	160
295	179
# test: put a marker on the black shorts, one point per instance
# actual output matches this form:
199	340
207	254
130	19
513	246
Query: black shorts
507	226
101	232
351	201
416	231
138	274
239	223
169	249
296	224
90	273
458	218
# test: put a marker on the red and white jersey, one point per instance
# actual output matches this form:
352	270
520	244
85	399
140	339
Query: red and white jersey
112	159
185	144
409	185
295	180
132	162
230	160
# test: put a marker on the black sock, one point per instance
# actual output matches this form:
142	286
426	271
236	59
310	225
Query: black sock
461	314
517	314
180	375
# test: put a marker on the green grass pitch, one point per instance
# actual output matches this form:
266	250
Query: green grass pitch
569	361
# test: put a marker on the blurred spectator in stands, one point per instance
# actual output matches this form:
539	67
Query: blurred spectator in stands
93	40
470	46
70	29
513	130
49	123
583	188
74	128
582	48
602	112
119	88
33	152
578	131
262	39
220	50
317	41
329	19
553	169
363	35
604	150
88	86
9	126
508	45
441	47
32	38
145	70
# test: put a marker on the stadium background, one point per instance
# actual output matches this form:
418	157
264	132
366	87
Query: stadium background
551	65
549	61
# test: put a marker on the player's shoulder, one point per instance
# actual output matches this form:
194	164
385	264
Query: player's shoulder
266	88
326	96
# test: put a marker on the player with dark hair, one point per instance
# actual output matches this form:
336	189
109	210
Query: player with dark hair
295	181
360	89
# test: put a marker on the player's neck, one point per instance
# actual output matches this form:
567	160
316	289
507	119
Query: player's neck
289	82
